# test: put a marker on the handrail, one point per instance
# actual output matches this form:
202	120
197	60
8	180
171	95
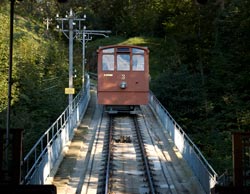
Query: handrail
44	154
210	168
205	173
41	159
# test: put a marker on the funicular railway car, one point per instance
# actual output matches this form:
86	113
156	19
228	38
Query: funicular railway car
123	78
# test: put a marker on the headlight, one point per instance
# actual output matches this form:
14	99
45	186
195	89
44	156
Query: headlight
123	85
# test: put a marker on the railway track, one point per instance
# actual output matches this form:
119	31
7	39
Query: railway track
127	167
128	157
129	154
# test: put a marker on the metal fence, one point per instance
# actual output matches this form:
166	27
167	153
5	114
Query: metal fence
199	165
45	154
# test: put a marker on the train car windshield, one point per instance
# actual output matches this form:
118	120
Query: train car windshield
108	50
123	59
108	63
123	62
108	59
137	59
138	62
137	51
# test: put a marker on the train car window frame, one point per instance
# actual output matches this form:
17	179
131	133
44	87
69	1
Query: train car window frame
123	50
137	51
108	62
108	50
123	61
138	63
138	59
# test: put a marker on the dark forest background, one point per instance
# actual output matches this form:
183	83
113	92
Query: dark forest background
199	63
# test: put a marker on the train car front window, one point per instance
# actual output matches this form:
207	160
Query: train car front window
137	51
138	62
108	63
123	62
123	50
108	50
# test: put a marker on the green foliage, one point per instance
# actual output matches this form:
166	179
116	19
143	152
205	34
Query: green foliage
39	77
199	62
178	89
199	68
4	57
215	48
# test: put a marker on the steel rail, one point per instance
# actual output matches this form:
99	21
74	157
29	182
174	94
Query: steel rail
110	131
145	159
142	150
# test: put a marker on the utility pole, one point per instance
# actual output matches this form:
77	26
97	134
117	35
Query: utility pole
6	147
47	21
77	30
74	25
85	36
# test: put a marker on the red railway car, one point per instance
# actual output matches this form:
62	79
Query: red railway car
123	77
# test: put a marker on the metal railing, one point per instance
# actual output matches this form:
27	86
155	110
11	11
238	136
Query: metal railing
199	165
45	154
43	157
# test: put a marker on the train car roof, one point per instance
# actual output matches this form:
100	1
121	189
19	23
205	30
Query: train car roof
119	46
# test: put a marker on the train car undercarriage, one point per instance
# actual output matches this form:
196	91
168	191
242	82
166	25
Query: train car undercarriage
115	109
